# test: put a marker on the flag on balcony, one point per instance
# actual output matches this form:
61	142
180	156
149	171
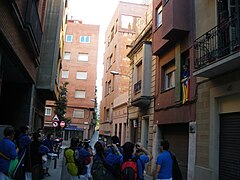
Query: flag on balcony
185	84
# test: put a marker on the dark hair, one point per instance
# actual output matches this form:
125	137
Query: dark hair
74	142
165	144
115	140
99	149
35	136
128	149
49	135
23	129
9	131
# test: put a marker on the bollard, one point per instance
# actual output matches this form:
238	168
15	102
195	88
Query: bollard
55	163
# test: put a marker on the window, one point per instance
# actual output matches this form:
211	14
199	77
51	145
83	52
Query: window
159	17
127	22
81	75
109	87
69	38
48	111
110	61
80	94
138	83
82	57
67	55
169	76
84	39
78	113
65	74
139	71
112	33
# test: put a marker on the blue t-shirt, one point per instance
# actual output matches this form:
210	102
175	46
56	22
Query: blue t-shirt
23	141
143	159
165	161
8	148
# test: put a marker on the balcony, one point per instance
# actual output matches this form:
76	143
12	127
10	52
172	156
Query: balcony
137	87
142	88
176	19
217	51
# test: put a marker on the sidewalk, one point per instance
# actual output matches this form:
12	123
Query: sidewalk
57	172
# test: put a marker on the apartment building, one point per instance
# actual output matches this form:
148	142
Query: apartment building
79	69
118	37
175	95
217	69
22	26
142	86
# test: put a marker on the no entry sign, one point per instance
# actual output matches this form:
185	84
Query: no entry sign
62	124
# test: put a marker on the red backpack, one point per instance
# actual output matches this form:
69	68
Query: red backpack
129	169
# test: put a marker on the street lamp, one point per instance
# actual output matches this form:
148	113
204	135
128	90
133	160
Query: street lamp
117	73
114	72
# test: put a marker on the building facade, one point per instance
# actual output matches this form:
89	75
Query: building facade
175	95
119	35
142	86
217	68
53	51
79	68
22	26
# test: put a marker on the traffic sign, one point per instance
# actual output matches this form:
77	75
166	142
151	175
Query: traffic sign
55	118
62	124
55	124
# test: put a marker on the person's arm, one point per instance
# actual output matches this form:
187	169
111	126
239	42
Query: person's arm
145	151
12	151
116	149
158	167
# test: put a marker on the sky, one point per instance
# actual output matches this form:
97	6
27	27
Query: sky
98	12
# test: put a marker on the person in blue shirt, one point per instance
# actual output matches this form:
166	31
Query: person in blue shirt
164	163
7	152
128	153
23	141
49	142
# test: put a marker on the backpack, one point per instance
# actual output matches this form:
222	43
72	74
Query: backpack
99	171
129	169
75	166
176	173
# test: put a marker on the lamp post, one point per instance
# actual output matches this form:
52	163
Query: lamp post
117	73
128	99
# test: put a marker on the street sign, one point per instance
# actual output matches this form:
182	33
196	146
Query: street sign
62	124
55	124
55	118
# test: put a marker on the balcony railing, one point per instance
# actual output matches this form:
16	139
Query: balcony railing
220	41
137	86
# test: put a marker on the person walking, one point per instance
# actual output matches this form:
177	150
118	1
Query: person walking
164	163
8	152
49	142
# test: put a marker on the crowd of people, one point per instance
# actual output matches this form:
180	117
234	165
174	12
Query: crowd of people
126	162
31	152
104	162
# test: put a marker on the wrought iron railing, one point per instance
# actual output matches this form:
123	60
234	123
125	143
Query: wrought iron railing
220	41
137	86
